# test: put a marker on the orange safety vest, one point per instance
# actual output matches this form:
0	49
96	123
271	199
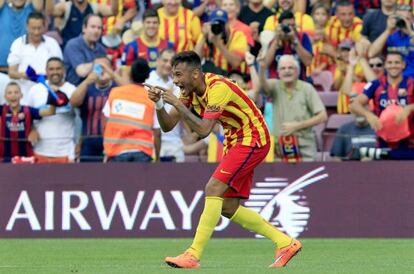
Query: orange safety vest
130	123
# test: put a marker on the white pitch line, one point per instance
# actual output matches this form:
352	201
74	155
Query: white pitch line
267	184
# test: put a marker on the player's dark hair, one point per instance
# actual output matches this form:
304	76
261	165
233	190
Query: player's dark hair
395	53
188	57
35	15
54	59
344	3
287	14
150	13
89	16
140	71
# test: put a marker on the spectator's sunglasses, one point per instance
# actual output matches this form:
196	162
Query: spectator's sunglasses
404	8
376	65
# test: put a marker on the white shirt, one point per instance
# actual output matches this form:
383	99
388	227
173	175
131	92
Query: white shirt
4	80
23	54
57	131
173	136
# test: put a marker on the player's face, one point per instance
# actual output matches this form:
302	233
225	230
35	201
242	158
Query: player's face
394	64
288	72
55	72
345	15
35	30
230	7
286	4
183	77
13	95
164	64
151	26
93	30
171	6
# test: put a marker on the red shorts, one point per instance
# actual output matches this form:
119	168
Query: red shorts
237	168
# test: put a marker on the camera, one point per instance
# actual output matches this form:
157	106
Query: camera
217	27
285	28
400	23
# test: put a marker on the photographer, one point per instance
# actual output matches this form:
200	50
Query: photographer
288	40
221	45
398	36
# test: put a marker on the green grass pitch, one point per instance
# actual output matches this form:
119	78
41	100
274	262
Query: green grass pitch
221	256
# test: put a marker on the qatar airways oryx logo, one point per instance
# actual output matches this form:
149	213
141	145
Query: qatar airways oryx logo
282	203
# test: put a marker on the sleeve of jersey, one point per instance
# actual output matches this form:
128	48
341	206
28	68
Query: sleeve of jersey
129	4
218	98
369	89
270	23
239	44
35	113
195	28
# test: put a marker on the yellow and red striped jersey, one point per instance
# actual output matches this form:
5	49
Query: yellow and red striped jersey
237	44
319	58
225	101
183	29
303	21
336	33
110	21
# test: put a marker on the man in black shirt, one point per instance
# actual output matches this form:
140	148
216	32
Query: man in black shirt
255	11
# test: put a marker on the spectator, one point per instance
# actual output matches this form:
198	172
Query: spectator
232	7
303	22
13	21
398	37
255	11
171	143
353	84
56	133
375	22
149	44
70	15
294	137
32	49
391	89
90	96
343	25
132	132
80	52
124	11
288	40
350	138
16	123
178	25
362	7
320	62
203	8
221	44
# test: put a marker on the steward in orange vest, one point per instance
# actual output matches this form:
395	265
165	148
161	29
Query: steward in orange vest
129	131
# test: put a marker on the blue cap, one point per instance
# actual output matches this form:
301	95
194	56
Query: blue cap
219	15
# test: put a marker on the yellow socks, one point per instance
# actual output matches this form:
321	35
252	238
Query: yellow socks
208	221
252	221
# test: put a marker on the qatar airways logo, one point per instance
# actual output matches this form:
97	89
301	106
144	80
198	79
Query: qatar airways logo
283	204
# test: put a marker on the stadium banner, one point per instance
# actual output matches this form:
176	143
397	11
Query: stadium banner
350	199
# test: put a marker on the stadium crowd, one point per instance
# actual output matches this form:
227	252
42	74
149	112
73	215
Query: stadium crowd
332	78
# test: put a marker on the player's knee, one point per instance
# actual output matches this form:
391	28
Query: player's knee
215	188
